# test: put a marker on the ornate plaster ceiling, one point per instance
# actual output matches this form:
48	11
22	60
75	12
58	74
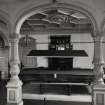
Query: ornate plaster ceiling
56	19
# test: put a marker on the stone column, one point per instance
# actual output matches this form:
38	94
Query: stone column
14	86
98	60
98	85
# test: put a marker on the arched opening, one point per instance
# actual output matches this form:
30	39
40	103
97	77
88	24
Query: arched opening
63	30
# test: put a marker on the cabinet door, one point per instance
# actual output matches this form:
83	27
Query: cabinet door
60	43
61	63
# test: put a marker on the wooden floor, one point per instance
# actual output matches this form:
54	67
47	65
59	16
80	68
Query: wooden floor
40	102
3	92
3	101
56	89
79	96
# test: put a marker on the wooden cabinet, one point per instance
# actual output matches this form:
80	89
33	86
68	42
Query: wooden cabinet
60	43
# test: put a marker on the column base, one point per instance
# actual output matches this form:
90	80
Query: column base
14	93
20	103
99	94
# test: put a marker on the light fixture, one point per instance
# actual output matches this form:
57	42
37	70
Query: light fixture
27	40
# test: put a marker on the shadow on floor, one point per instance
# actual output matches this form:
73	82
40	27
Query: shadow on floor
3	92
50	102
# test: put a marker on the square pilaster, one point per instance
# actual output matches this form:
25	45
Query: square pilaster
99	94
14	93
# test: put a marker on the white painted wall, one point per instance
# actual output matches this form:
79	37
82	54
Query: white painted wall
42	61
83	62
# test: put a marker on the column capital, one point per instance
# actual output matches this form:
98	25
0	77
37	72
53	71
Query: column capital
98	33
14	37
98	38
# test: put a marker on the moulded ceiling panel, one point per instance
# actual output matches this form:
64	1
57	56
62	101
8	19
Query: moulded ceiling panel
26	26
59	11
78	15
56	19
38	16
37	22
38	27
